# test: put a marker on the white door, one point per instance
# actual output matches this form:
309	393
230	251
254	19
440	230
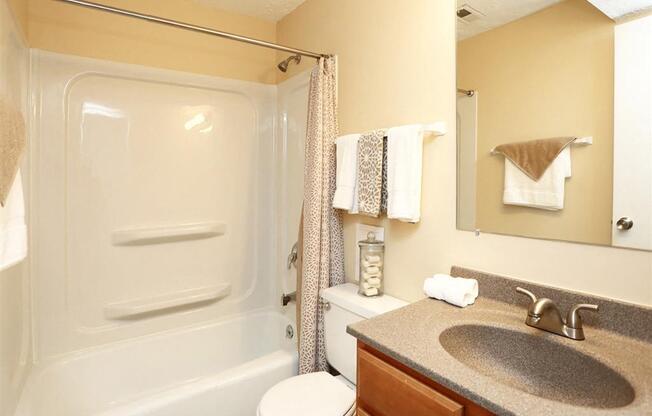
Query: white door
633	134
467	114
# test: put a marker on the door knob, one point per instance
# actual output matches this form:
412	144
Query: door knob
624	224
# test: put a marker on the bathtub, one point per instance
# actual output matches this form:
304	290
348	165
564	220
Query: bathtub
216	369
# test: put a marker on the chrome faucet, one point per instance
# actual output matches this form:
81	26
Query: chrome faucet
288	297
544	314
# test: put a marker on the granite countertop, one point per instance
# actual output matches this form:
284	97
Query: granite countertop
411	336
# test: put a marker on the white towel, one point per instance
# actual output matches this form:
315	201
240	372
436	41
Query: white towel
454	290
366	263
546	193
372	291
372	259
373	282
13	231
366	276
347	172
434	286
404	160
372	270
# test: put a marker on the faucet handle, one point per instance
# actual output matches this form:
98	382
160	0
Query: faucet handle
528	293
573	319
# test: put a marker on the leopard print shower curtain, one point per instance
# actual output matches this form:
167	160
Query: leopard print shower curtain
323	240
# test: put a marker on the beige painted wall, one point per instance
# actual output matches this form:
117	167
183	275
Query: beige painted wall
397	65
63	28
19	8
549	74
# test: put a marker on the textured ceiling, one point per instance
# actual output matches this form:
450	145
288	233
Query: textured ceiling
617	9
495	13
273	10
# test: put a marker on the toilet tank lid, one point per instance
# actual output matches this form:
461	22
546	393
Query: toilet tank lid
346	296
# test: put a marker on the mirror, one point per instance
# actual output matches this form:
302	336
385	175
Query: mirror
578	75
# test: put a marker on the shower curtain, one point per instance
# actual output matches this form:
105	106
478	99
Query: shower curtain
323	241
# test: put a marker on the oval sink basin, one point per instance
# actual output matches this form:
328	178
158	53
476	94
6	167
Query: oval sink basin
538	366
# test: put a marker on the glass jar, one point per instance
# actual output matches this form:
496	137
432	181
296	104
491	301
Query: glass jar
372	257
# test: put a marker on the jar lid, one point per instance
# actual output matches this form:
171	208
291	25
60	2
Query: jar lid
370	241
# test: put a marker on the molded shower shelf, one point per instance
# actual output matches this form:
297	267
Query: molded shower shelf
132	308
157	235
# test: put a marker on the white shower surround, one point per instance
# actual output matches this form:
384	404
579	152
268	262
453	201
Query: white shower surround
100	128
211	369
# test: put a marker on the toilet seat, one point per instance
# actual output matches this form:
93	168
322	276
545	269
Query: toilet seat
315	394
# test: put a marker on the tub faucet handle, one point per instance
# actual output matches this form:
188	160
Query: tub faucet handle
293	256
288	297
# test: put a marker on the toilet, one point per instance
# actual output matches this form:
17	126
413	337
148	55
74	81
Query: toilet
322	394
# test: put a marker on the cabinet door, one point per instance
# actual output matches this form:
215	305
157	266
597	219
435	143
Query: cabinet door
384	390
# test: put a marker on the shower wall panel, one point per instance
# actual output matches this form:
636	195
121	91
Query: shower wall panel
152	200
290	140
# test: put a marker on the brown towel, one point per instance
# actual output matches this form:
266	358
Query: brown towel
370	172
535	156
12	143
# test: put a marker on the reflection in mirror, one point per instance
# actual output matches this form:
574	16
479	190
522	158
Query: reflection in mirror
554	120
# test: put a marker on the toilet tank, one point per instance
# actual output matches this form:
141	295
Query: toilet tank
346	307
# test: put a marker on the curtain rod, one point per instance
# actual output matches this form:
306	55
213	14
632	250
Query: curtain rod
187	26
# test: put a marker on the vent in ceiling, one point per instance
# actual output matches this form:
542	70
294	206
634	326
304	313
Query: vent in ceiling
468	14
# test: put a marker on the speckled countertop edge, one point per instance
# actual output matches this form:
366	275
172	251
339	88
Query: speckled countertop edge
411	336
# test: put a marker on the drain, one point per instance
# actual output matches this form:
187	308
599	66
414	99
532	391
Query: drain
289	332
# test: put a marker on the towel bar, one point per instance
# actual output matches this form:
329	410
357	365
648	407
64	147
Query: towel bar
438	128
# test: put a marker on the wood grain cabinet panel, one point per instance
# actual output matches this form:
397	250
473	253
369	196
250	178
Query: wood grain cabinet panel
386	387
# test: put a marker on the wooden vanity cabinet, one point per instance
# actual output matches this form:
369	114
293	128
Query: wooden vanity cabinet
386	387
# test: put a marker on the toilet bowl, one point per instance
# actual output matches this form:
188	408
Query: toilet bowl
315	394
322	394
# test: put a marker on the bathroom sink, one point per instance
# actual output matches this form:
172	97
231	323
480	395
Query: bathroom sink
537	365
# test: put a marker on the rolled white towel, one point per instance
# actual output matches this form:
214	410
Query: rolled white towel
456	291
367	276
462	292
374	282
366	263
371	291
435	285
372	259
372	269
